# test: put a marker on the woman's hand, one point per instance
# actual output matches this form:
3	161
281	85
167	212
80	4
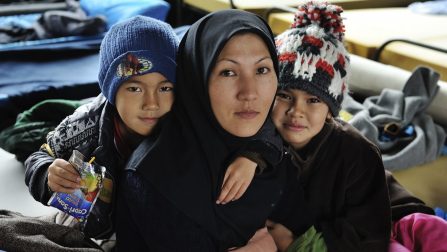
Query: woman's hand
237	179
63	177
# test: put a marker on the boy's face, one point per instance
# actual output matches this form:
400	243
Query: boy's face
299	116
142	100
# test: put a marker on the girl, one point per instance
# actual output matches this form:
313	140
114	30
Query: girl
337	187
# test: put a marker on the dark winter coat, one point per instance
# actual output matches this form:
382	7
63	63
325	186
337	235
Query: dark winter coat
337	184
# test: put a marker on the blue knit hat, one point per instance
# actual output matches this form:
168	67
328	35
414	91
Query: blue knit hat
137	46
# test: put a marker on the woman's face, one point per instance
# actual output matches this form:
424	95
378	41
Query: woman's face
242	85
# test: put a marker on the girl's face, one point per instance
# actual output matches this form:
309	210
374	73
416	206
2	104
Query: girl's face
142	100
299	116
242	85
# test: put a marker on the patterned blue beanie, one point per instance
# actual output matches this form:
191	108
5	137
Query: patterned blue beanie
137	46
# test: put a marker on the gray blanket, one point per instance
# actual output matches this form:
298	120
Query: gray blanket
21	233
402	108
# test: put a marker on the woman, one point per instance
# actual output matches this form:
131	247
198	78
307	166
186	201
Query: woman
226	83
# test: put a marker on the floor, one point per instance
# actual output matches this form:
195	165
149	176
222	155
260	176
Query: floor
14	193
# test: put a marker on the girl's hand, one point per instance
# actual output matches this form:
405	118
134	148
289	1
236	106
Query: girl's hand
262	241
237	179
282	236
63	177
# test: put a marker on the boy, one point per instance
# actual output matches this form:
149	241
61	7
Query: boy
337	190
136	77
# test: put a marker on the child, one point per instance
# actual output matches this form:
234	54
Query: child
337	195
136	77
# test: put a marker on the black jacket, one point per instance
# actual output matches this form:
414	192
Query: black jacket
402	201
89	130
337	184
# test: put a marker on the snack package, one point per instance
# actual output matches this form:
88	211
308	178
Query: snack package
80	203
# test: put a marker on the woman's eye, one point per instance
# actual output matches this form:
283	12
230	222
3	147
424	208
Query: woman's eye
166	89
263	70
134	89
284	96
314	100
227	73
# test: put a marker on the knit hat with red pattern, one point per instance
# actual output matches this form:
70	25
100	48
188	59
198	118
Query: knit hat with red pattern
312	56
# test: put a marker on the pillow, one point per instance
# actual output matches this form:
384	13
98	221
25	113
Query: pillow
119	10
370	77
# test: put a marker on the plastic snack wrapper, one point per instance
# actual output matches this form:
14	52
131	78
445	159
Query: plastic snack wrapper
79	203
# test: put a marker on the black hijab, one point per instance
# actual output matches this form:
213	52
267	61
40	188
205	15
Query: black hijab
188	160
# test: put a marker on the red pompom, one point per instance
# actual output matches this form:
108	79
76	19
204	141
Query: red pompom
323	14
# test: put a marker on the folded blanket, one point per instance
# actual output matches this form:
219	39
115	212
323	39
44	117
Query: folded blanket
21	233
32	126
394	111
